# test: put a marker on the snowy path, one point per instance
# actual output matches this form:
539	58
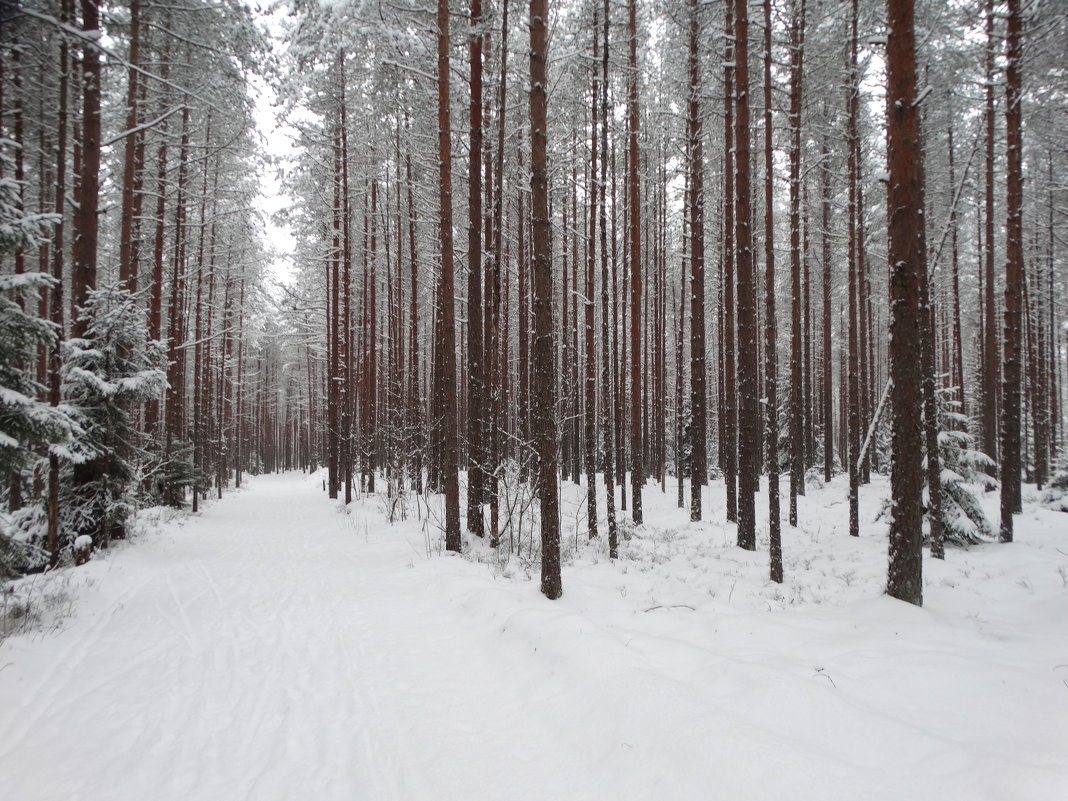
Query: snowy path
275	648
271	648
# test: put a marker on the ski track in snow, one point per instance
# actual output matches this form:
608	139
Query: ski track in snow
277	647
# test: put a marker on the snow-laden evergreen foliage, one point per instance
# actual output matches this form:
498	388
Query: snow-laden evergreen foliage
18	229
26	422
1055	496
177	474
963	466
106	375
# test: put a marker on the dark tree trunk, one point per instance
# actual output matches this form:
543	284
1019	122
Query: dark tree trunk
905	213
370	381
523	327
798	376
990	368
133	144
590	374
749	455
58	270
608	431
544	377
447	352
1014	278
498	352
344	378
696	207
86	219
827	388
335	467
475	360
637	466
853	402
415	399
958	347
771	336
729	440
176	354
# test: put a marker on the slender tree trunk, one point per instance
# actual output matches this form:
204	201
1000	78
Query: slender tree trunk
573	374
175	423
958	347
797	375
86	220
475	361
590	373
729	441
637	467
1014	278
345	382
155	301
808	364
335	466
608	431
524	321
415	421
1053	383
827	393
447	353
771	377
371	384
748	405
131	173
58	269
989	364
930	404
544	394
498	353
696	207
853	403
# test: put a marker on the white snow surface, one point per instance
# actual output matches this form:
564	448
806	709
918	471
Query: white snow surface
278	646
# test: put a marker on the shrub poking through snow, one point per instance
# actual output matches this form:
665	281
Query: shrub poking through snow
83	549
1055	496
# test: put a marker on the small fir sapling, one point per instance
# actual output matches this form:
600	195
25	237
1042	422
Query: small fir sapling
963	466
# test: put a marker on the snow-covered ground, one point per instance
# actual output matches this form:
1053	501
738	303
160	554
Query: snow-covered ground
276	646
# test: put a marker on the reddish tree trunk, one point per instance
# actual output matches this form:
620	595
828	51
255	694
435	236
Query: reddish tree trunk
905	213
770	333
1014	279
86	221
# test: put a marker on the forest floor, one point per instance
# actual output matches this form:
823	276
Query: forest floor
280	646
